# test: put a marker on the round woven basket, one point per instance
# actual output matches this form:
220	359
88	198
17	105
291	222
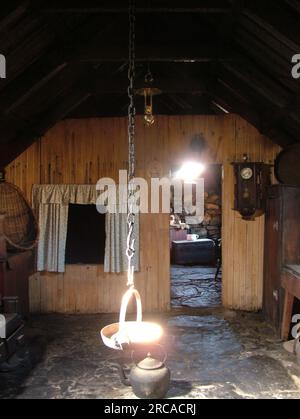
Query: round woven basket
20	226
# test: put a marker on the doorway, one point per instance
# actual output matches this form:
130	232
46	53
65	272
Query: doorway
196	249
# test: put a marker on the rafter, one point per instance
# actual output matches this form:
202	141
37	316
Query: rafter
50	66
168	53
294	4
92	6
233	53
43	123
281	25
12	11
169	85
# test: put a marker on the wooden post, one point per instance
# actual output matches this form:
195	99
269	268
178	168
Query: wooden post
287	315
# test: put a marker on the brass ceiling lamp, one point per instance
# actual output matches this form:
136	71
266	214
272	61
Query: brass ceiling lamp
148	91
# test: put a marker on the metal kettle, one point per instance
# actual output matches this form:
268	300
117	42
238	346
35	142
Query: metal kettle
150	378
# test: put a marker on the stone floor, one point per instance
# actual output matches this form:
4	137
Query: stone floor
195	287
211	354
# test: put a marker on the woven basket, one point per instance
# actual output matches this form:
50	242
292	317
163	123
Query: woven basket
20	227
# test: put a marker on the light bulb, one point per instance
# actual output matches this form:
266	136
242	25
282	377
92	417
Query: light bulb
190	172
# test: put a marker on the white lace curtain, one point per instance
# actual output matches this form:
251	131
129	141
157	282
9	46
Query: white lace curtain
51	204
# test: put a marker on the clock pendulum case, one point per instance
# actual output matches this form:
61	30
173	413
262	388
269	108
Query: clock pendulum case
251	183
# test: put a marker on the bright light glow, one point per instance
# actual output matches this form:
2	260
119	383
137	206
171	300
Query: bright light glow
139	333
190	172
116	335
135	332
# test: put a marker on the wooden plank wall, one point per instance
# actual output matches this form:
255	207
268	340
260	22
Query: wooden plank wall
82	151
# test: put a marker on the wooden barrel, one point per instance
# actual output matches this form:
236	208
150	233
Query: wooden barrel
20	226
287	166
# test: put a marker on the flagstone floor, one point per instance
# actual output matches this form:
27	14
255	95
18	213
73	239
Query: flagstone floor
211	354
195	287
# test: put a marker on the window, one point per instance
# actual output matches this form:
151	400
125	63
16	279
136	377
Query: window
85	235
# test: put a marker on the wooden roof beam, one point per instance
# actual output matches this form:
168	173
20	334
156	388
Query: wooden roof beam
49	66
118	6
170	85
294	4
168	53
43	122
22	90
12	11
253	110
277	135
272	18
255	80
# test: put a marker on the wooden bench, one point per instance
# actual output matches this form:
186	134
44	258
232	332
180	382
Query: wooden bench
291	283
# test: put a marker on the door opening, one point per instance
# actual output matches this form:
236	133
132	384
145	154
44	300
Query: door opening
196	249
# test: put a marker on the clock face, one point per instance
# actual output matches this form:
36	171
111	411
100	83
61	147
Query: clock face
246	173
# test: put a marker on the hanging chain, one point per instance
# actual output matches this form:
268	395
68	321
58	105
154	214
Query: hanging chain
130	251
131	78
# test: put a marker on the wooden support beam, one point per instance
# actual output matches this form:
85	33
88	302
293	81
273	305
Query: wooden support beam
32	47
280	116
15	97
287	315
168	53
266	38
168	85
42	124
272	18
226	32
50	65
252	80
294	4
93	6
59	86
11	11
245	106
232	102
275	65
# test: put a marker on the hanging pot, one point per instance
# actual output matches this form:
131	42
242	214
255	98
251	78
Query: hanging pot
131	334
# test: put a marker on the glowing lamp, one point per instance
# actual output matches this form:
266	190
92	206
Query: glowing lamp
135	333
190	172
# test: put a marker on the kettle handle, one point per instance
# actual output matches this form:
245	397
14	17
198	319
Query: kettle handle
163	353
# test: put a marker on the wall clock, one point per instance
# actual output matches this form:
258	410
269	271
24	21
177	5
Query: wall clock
251	183
247	173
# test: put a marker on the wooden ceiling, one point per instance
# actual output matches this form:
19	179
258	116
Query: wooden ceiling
69	59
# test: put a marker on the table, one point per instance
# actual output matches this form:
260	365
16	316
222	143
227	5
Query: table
198	252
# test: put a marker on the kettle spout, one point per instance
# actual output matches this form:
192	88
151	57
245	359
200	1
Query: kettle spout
123	374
